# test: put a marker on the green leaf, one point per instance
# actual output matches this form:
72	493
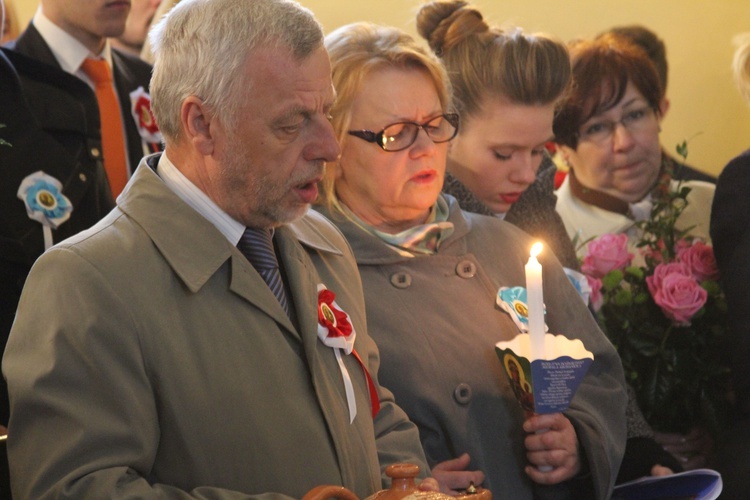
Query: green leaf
712	287
3	142
682	150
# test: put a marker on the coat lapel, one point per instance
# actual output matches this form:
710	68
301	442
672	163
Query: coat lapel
302	280
127	79
32	45
298	242
248	284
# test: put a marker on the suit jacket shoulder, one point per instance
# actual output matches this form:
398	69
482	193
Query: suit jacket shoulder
129	74
31	44
47	119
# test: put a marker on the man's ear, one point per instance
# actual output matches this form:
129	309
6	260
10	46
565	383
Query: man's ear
196	124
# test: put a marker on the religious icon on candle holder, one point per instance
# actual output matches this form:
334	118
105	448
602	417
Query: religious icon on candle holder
547	384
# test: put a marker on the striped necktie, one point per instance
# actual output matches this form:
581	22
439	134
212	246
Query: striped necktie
257	246
113	137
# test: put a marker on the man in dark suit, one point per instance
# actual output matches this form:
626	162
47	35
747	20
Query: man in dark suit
52	123
63	34
62	147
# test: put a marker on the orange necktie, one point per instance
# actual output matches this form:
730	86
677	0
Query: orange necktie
111	122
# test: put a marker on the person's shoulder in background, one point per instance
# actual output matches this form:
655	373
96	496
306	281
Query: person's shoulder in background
684	172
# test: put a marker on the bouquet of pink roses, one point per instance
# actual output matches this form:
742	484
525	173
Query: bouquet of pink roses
665	316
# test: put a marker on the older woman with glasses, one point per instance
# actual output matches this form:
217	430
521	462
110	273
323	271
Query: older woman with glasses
431	274
608	132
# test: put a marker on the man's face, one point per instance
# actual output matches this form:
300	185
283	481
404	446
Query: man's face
267	168
89	21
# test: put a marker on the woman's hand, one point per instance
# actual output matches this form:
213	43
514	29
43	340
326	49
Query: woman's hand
551	444
691	450
660	470
453	476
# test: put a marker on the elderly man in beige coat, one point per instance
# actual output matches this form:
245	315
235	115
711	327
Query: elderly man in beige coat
149	358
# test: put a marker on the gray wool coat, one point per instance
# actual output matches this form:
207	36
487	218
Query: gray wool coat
436	324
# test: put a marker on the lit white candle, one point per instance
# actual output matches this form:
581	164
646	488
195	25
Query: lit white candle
535	302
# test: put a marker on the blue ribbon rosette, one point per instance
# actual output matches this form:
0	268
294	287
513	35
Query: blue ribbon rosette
512	300
45	203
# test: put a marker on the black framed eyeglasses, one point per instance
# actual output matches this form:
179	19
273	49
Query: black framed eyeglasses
401	135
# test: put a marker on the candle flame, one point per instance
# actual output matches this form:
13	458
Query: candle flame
536	249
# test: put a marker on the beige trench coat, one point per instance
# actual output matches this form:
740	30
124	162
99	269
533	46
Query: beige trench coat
149	359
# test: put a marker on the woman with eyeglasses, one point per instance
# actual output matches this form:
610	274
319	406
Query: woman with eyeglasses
607	130
431	274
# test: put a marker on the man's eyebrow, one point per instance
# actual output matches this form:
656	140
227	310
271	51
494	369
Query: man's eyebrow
293	113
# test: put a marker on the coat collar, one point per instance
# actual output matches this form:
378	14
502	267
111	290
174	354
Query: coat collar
371	250
31	43
170	223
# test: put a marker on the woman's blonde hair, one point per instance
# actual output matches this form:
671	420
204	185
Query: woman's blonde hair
490	62
741	65
357	50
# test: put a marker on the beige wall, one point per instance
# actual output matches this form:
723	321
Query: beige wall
705	105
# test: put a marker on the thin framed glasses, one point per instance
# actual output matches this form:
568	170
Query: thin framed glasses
601	132
401	135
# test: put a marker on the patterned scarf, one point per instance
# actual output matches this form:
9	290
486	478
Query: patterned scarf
424	239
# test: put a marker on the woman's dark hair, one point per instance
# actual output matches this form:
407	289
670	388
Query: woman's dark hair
602	69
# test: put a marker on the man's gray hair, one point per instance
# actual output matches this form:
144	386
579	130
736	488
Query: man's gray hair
201	47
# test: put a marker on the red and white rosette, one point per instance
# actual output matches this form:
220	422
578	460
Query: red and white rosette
335	330
140	108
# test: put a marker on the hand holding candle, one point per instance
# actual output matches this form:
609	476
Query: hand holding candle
544	371
535	302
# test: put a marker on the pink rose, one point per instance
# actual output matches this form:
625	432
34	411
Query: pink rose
661	271
680	297
699	258
606	253
596	299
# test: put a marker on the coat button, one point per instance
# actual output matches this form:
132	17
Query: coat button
401	280
82	176
462	393
95	152
466	269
